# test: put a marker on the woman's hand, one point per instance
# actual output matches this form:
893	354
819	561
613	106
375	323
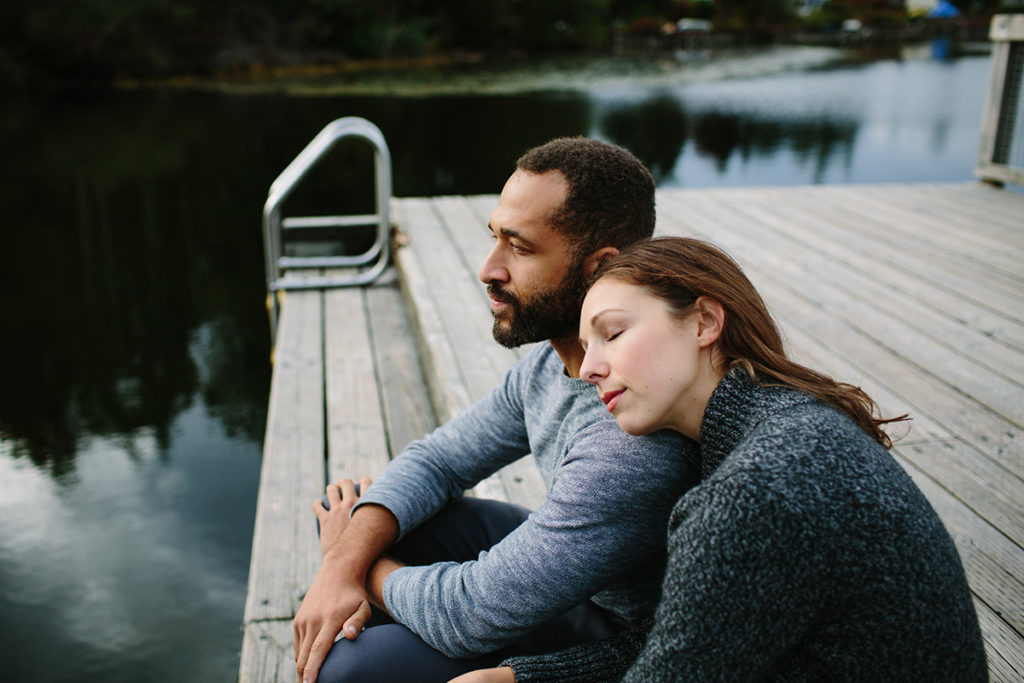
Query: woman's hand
503	674
342	497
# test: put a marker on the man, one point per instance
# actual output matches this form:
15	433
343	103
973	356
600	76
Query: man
584	565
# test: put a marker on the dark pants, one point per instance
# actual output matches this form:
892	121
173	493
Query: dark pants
390	653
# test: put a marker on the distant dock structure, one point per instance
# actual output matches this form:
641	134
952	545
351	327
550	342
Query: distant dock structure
915	292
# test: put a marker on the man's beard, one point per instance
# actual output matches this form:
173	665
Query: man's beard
553	314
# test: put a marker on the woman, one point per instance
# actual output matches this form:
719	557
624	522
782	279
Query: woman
806	552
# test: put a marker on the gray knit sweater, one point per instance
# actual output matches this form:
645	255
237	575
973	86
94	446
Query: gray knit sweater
806	553
600	533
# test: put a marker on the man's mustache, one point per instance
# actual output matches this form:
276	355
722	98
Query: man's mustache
498	294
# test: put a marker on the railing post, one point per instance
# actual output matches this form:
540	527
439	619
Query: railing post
1001	150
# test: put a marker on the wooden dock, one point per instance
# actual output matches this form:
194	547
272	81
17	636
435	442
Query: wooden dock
915	292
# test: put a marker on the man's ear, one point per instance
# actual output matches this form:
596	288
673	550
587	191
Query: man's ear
710	321
596	258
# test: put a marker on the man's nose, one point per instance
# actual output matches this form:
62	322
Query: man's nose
492	269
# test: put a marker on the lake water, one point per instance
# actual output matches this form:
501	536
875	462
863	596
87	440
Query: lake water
135	342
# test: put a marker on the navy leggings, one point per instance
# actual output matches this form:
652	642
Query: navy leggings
390	653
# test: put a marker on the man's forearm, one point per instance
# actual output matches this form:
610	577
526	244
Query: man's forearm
380	571
369	533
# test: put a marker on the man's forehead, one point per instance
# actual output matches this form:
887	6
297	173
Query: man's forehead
528	204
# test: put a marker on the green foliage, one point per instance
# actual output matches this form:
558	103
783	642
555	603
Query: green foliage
106	39
91	38
870	13
522	24
748	15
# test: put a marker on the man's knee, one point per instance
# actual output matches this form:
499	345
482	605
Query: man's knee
391	654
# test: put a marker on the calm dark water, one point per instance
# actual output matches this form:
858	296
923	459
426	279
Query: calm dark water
134	337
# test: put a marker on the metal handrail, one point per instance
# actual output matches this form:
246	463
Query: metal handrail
378	253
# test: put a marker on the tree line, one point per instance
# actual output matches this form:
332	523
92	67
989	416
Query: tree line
101	40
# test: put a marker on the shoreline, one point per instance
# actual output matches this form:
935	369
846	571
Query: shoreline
474	75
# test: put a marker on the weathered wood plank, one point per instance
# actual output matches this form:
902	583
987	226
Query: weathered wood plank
804	223
267	653
992	211
457	303
448	390
1002	647
408	411
952	210
946	241
464	313
851	234
977	212
356	440
359	342
285	554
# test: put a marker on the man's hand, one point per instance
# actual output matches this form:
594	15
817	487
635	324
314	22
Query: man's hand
342	498
502	674
337	601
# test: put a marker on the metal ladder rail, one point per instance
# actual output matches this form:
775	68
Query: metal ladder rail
378	253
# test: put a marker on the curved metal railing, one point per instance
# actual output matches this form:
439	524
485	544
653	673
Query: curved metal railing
372	262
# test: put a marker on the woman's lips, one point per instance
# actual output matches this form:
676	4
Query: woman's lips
611	399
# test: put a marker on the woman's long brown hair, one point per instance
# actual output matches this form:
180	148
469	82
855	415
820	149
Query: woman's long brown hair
678	270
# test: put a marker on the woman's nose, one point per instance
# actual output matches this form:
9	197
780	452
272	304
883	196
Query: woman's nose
593	369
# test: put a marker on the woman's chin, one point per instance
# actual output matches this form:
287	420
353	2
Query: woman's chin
632	428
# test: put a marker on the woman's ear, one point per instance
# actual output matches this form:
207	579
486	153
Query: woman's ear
596	258
710	320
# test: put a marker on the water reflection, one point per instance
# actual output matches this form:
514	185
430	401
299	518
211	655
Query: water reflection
119	247
657	129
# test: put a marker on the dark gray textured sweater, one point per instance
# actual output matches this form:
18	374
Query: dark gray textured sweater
806	553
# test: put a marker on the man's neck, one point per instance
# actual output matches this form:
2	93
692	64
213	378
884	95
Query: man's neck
571	353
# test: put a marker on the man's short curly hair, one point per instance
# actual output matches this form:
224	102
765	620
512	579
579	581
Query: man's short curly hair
611	192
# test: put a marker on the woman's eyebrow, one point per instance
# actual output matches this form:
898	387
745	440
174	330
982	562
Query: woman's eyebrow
593	318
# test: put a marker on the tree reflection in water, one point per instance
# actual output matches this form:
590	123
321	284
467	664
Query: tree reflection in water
125	234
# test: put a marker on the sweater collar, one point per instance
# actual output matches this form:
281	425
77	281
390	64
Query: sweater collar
735	408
